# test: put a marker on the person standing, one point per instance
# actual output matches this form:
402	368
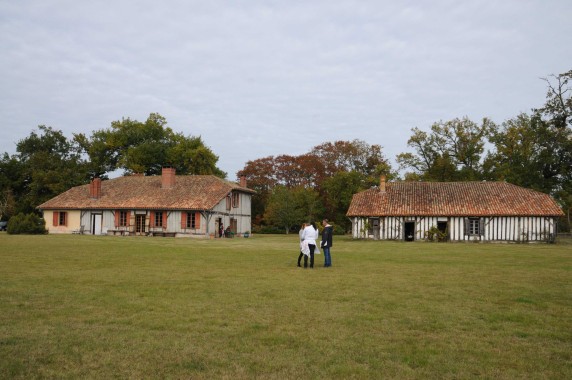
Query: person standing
327	238
309	236
301	245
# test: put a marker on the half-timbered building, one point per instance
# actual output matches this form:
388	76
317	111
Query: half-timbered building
460	211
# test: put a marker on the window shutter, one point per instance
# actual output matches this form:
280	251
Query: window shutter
481	226
152	220
117	215
56	218
164	219
197	220
467	225
183	219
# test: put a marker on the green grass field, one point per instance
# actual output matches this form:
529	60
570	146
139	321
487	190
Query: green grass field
136	307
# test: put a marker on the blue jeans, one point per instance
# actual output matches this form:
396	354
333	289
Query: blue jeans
327	257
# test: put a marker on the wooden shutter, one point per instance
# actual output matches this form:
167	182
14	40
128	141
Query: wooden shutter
183	220
164	219
152	219
56	219
197	220
481	226
117	217
467	226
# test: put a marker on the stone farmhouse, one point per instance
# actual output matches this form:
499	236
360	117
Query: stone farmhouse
166	205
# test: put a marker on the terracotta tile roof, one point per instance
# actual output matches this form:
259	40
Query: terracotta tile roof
452	199
193	192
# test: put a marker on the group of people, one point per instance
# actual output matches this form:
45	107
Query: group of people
308	235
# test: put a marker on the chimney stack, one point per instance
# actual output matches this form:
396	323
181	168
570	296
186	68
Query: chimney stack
243	181
168	178
382	183
95	188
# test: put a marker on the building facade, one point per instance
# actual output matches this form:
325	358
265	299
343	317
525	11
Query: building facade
166	205
457	211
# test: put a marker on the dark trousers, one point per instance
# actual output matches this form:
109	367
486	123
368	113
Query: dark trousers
312	248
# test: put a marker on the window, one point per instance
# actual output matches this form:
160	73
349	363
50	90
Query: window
63	216
191	220
474	226
158	219
60	218
235	199
123	218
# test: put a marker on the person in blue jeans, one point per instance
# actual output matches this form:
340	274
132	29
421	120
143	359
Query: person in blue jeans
327	233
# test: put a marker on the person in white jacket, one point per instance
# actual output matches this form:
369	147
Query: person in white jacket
308	237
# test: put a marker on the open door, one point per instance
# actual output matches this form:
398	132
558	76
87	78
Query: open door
96	220
409	231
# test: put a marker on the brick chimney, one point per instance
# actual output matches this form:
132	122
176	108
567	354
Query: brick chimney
168	178
243	181
95	188
382	184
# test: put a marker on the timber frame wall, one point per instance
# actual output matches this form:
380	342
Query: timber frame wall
492	228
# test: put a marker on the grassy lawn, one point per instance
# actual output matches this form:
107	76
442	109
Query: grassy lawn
135	307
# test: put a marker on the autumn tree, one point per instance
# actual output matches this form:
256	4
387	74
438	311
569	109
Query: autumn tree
310	171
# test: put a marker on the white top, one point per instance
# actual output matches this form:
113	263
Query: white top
309	235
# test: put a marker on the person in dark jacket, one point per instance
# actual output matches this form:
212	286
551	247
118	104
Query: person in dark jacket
327	239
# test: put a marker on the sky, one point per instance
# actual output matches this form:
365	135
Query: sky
260	78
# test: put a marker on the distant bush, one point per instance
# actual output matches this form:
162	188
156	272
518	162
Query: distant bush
26	224
268	230
338	230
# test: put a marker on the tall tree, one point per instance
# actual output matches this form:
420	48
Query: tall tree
452	151
46	164
312	170
283	209
146	147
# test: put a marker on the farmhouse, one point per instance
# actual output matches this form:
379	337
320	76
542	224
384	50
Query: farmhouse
461	211
166	205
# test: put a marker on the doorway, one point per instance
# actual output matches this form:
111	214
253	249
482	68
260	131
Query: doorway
140	224
374	225
96	220
442	227
409	231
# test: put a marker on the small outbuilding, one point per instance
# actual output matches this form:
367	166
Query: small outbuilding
166	205
458	211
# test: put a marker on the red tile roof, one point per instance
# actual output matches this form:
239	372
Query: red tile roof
452	199
193	192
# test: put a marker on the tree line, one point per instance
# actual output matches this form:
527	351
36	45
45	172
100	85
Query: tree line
533	150
47	163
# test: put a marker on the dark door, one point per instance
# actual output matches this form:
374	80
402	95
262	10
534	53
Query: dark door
409	230
442	227
374	223
140	224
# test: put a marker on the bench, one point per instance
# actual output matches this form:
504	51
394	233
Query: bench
80	231
118	232
163	234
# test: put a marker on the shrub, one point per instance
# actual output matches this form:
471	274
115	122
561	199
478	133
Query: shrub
435	235
26	224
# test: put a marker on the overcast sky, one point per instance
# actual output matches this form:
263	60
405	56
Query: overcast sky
260	78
